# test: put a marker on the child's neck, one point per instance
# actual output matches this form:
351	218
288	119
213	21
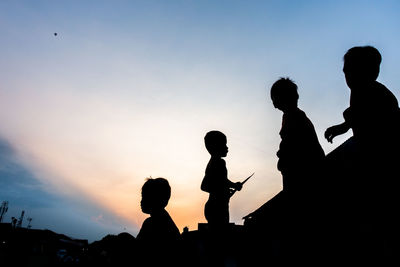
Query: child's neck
290	109
156	213
362	86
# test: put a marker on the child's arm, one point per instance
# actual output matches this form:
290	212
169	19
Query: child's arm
339	129
336	130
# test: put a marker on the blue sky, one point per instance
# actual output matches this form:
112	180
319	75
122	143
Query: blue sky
128	89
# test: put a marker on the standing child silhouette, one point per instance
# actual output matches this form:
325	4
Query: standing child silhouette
300	153
216	182
300	161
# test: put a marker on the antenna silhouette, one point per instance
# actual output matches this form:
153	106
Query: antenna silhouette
21	218
29	222
3	209
13	221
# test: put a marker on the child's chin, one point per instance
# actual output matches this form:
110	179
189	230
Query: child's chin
145	211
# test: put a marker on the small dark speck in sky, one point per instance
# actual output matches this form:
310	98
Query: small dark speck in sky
55	34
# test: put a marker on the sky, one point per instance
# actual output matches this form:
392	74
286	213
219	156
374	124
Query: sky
127	90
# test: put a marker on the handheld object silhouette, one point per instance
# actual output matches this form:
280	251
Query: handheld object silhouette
233	191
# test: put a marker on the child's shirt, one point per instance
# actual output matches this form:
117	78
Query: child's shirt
299	151
373	113
159	241
216	180
159	228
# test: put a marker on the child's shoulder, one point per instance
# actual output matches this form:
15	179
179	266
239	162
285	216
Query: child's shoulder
379	95
215	165
294	117
389	94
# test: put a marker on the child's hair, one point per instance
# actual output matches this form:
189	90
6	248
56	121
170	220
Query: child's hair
284	87
158	189
363	59
213	139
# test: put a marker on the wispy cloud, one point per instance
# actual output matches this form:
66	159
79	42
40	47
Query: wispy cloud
76	216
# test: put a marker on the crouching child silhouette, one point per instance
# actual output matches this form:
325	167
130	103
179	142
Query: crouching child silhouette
159	238
368	162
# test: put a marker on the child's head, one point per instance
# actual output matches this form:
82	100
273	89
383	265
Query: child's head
361	65
215	142
284	94
155	195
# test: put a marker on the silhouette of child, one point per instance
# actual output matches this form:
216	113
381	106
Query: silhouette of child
291	216
373	111
367	159
300	161
300	153
373	116
159	237
216	182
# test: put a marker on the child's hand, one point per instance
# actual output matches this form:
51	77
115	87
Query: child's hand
238	186
330	133
335	130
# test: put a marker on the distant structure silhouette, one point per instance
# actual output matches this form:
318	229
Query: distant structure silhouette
114	250
20	220
216	182
20	246
29	226
3	210
159	238
14	222
363	170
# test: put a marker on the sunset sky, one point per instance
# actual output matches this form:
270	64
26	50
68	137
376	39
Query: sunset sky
128	89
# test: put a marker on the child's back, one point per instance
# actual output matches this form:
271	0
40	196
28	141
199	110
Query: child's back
300	153
159	228
373	113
